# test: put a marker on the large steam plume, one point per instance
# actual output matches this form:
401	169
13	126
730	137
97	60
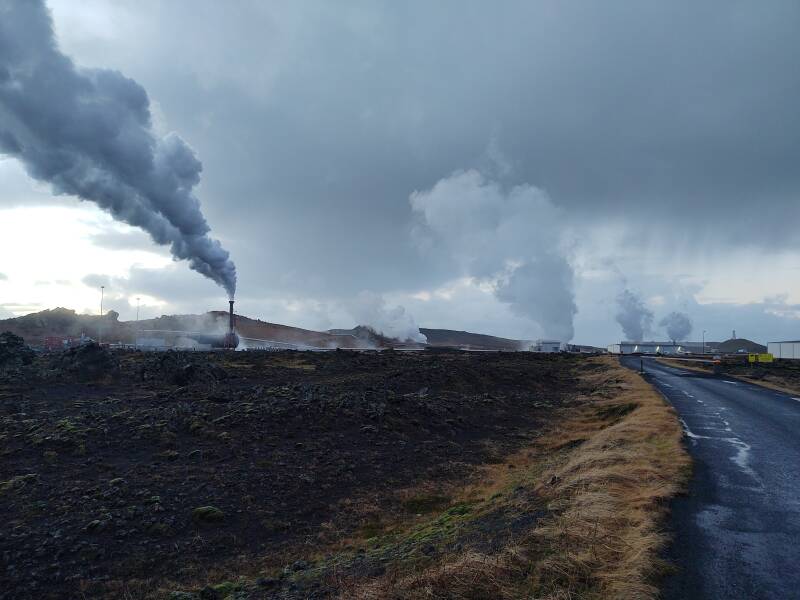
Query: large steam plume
633	316
678	326
88	133
508	238
370	309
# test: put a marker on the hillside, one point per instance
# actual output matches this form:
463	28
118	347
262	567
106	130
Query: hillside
62	322
449	337
736	344
436	338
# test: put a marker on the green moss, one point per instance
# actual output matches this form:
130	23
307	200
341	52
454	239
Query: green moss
425	504
67	426
372	529
183	596
208	514
226	588
458	510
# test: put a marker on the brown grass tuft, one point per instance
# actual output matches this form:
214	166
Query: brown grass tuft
606	472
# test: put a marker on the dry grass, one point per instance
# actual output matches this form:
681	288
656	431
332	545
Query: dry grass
612	494
606	473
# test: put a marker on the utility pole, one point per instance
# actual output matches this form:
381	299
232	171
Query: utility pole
136	339
704	341
100	328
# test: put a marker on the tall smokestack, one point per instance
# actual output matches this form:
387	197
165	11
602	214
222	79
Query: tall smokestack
230	322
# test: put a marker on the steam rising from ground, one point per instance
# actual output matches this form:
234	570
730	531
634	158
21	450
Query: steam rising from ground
508	238
678	326
633	316
88	133
370	309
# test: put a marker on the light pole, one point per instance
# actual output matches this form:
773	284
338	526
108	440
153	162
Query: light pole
704	341
136	339
100	328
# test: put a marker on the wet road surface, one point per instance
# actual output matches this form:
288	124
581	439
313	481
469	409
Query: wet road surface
737	533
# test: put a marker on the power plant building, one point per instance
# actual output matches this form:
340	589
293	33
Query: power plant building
787	350
546	346
646	348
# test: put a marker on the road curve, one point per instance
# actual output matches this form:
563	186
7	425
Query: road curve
737	533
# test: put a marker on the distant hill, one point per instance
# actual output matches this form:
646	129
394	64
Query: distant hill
62	322
736	344
436	338
478	341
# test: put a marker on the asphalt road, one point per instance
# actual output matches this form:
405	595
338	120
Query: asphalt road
737	533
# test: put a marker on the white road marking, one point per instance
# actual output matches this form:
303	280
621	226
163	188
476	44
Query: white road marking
731	382
687	394
793	398
688	431
742	456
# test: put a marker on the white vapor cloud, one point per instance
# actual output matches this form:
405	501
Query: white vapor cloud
511	238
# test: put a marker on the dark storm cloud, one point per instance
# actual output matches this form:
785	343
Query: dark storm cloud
88	133
666	114
316	121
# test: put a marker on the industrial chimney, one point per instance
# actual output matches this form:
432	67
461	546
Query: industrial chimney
231	339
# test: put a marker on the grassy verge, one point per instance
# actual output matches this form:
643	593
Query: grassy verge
602	478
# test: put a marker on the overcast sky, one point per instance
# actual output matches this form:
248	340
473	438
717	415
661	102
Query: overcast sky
508	168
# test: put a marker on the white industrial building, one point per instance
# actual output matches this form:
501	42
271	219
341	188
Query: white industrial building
151	343
646	348
790	350
546	346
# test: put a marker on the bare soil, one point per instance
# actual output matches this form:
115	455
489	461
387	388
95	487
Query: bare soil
172	470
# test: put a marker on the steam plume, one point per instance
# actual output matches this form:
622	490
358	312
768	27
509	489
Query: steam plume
370	309
633	316
508	238
678	326
88	133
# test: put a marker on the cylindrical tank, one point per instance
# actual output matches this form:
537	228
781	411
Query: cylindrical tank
227	340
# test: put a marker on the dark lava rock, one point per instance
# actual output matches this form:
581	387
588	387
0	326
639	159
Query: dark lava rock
13	351
88	362
176	368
